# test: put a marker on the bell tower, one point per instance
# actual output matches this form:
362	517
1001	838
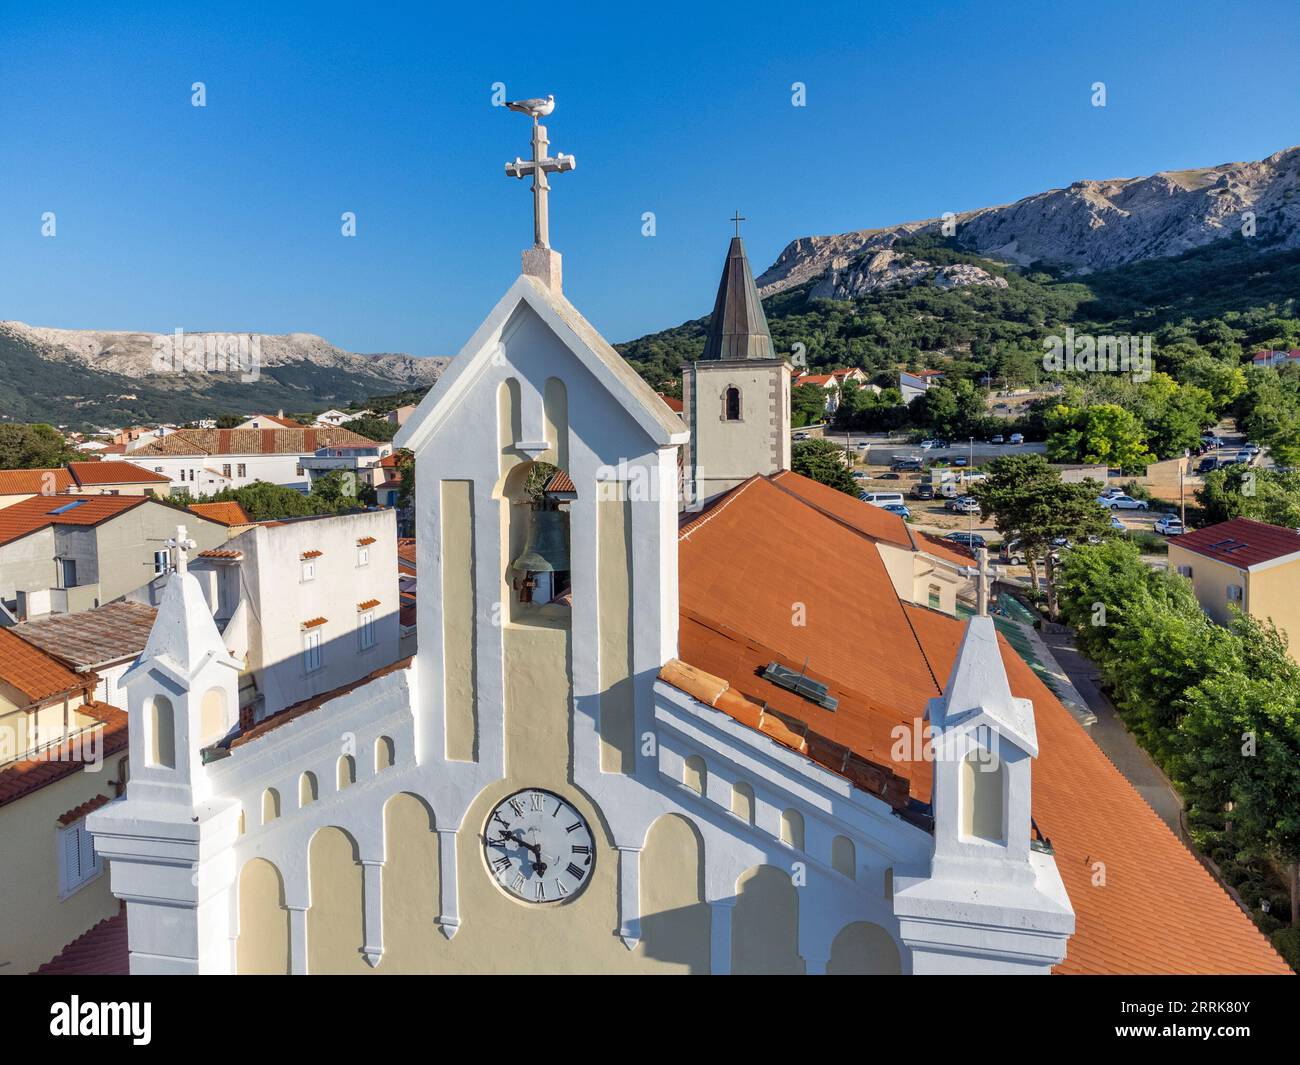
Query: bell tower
736	397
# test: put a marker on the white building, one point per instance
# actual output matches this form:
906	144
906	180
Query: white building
334	417
203	461
657	770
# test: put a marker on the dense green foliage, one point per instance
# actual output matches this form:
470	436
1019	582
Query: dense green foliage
823	461
1218	708
33	447
380	429
334	493
1263	494
1205	312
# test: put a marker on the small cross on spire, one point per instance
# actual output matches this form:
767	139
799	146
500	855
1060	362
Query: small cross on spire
179	544
738	218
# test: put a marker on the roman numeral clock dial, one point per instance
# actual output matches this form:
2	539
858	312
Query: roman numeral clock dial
538	847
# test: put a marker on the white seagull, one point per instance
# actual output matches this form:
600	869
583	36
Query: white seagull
535	108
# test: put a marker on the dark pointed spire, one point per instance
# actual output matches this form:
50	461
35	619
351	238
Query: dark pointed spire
738	328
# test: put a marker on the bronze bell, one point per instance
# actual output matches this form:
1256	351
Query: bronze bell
547	549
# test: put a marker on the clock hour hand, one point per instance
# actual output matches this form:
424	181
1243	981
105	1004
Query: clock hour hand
539	866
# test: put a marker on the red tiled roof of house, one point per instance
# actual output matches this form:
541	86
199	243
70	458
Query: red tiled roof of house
32	672
560	482
873	521
368	604
30	515
227	513
314	623
89	806
101	472
37	482
29	774
1239	542
406	549
253	441
365	541
674	404
221	553
844	626
307	555
102	951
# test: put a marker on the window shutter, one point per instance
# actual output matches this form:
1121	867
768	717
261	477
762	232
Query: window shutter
70	859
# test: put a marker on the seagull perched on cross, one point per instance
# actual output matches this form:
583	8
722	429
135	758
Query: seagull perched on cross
535	108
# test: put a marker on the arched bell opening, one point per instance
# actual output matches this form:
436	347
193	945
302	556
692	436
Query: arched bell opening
538	495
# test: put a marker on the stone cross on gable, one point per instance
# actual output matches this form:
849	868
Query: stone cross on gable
178	545
983	577
539	166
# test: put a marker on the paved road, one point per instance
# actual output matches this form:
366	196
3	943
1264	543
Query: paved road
1110	734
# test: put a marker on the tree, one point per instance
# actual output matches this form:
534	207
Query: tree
379	429
807	405
1260	493
823	461
1029	502
33	447
1104	433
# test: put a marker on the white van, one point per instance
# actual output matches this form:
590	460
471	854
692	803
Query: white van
880	499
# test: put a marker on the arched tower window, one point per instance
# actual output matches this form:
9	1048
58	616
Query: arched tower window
695	774
162	734
982	784
731	404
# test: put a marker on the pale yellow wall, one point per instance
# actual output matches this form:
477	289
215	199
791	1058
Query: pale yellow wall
1275	593
335	931
1210	579
912	574
675	919
35	931
765	924
412	941
262	946
617	721
863	949
726	452
458	620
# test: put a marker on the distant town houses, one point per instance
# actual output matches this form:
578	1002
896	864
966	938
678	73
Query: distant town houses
334	418
1276	358
833	383
205	461
269	421
916	384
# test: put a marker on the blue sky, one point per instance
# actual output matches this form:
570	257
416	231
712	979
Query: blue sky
228	217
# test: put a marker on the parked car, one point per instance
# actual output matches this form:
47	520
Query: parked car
923	491
1170	526
999	439
966	539
961	460
1207	464
905	464
963	505
1110	493
1123	502
881	499
889	477
1115	524
1250	449
898	508
800	436
862	445
930	445
1017	438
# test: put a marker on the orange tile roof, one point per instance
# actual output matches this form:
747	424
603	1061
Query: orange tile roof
314	623
32	672
228	513
310	555
102	951
1160	912
221	553
1242	542
366	541
30	774
37	482
253	441
406	549
873	521
560	482
87	807
94	473
31	515
368	604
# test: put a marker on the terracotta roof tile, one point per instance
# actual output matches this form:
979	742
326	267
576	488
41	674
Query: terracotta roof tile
32	672
87	807
30	774
368	604
873	521
102	951
221	553
314	623
96	473
253	441
310	555
29	516
227	513
1240	542
366	541
560	482
37	482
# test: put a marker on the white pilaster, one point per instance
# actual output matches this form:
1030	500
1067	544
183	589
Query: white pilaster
449	914
372	888
629	896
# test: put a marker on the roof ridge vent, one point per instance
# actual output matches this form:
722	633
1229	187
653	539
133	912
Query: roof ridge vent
800	685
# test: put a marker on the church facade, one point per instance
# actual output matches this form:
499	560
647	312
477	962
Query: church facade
606	755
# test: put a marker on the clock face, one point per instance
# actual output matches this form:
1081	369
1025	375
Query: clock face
538	847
